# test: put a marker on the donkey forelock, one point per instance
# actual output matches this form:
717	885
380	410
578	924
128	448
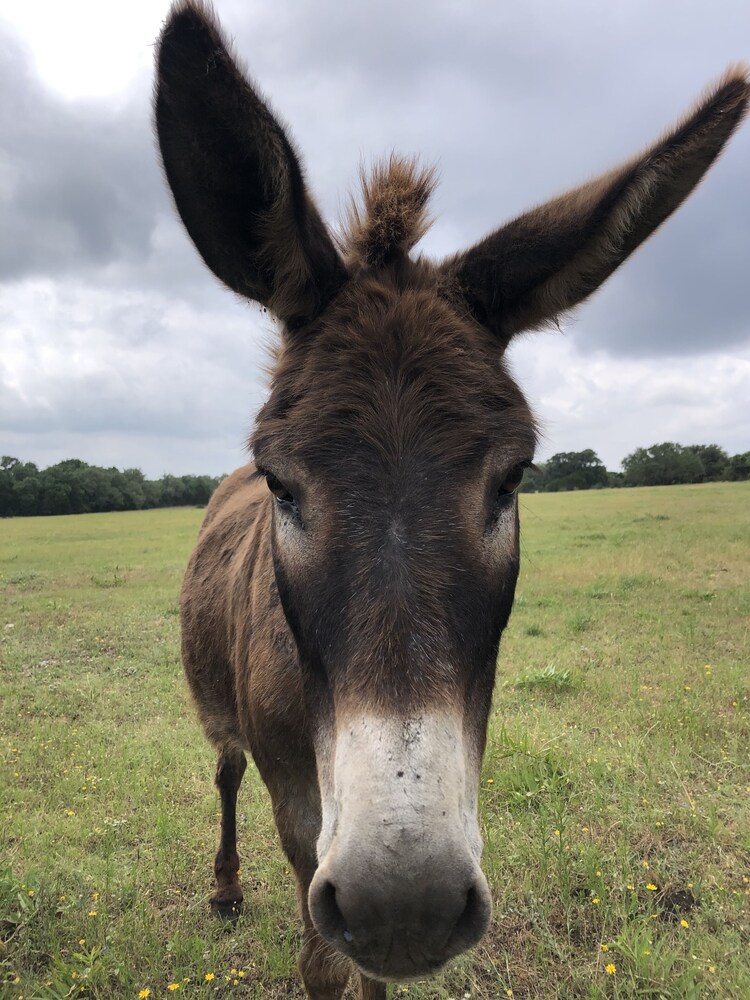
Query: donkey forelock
390	407
393	215
397	407
395	369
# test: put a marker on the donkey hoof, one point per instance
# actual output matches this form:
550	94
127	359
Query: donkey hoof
228	910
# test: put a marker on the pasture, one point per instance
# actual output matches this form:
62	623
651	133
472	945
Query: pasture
615	798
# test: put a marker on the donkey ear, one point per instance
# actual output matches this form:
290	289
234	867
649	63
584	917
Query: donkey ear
531	270
234	175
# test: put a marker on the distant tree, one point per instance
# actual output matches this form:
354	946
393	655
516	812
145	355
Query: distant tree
615	479
7	483
27	495
575	470
133	489
713	458
54	496
534	479
201	488
20	486
738	467
74	487
152	493
66	488
173	493
662	465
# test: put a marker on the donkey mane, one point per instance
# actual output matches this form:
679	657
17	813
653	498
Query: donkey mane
393	215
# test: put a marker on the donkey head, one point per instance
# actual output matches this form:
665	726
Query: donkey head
393	443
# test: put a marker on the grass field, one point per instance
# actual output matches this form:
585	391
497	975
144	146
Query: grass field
615	796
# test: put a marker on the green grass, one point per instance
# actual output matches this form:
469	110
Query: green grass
617	761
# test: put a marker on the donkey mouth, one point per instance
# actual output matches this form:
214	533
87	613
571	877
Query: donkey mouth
395	940
405	958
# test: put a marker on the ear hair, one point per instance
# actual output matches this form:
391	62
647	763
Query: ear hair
236	179
533	269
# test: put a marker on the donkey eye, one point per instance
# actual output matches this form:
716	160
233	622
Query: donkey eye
280	491
513	480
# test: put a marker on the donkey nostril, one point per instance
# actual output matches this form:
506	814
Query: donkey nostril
473	922
328	915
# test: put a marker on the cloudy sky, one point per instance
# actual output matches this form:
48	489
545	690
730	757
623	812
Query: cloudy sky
118	346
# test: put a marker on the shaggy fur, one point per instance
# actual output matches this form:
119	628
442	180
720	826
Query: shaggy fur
393	215
534	269
378	575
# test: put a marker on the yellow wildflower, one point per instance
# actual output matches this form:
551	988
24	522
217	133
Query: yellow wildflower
596	900
684	923
209	976
605	947
610	969
173	986
651	887
92	913
143	994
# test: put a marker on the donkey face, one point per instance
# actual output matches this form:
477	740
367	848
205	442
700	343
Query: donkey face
393	442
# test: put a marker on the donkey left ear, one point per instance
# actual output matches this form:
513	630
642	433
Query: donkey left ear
235	176
527	273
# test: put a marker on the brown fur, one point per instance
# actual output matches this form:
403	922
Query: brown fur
393	216
382	578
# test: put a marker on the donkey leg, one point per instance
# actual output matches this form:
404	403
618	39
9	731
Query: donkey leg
324	971
227	900
371	989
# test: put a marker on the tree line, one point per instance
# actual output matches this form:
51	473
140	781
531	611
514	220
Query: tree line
660	465
74	487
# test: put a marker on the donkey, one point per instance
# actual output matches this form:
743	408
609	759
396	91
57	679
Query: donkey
342	611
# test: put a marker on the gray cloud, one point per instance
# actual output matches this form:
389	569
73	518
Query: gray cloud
115	338
513	109
80	187
589	402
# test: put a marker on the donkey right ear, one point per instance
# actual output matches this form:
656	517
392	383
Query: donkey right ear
235	177
546	261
